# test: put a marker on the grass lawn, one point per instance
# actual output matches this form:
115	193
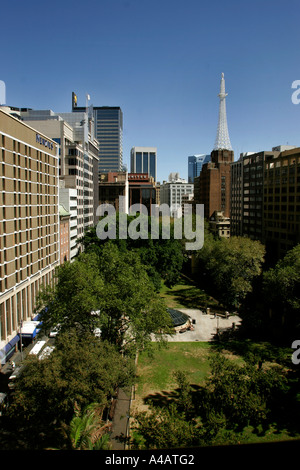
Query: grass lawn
186	294
155	372
156	381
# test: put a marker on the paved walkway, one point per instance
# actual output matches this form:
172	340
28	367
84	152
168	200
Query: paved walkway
120	421
205	326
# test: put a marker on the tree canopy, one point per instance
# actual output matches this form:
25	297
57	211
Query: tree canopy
162	257
231	265
233	397
81	370
116	285
281	287
76	292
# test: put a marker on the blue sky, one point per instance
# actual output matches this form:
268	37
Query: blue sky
161	62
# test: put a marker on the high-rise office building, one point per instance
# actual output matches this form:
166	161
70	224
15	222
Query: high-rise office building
29	224
252	193
78	158
265	196
236	199
144	160
108	132
282	202
84	136
247	199
195	163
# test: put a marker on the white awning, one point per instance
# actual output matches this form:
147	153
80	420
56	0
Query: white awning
29	329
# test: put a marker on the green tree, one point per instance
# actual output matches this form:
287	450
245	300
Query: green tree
234	396
131	310
184	400
114	283
163	258
243	394
76	292
164	428
281	288
87	430
81	370
231	266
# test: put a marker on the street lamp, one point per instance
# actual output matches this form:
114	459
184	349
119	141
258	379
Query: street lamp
21	325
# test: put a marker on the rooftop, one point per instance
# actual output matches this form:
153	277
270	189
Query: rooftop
178	318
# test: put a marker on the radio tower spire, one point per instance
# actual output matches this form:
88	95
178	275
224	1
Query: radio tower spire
222	140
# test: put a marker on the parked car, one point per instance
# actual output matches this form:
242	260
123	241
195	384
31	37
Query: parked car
54	331
15	374
46	352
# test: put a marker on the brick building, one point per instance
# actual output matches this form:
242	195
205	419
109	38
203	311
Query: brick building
141	190
64	228
212	187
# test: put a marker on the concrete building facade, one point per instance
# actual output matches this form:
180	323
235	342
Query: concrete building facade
265	198
144	160
220	225
78	157
236	199
29	223
172	193
282	202
68	198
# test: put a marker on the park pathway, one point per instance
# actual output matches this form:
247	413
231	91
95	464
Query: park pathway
120	420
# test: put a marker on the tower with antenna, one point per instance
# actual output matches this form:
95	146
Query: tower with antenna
222	151
222	138
213	185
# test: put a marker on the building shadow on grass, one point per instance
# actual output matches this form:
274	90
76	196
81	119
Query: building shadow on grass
280	419
257	352
191	297
166	398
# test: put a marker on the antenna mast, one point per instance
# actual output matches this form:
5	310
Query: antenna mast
222	140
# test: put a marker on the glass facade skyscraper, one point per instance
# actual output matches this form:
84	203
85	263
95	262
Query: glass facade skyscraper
109	133
144	160
195	163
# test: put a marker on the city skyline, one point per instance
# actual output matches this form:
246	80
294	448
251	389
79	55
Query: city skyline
161	62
